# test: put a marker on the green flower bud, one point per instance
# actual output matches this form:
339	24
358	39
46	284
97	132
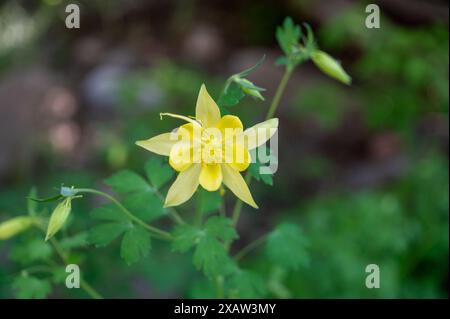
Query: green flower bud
59	217
330	66
249	88
15	226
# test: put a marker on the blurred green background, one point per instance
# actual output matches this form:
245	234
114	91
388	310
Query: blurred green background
362	169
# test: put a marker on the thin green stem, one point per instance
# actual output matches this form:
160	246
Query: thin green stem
219	287
270	113
279	93
223	208
89	289
251	246
83	283
198	210
60	252
153	230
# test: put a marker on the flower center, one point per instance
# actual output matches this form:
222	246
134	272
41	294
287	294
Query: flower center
211	145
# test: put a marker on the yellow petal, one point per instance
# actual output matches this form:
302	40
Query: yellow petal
180	157
186	131
160	144
229	125
260	133
211	177
234	181
237	156
184	186
207	111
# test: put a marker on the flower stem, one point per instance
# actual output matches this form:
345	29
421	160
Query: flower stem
247	249
219	287
83	283
153	230
198	210
270	113
279	93
89	289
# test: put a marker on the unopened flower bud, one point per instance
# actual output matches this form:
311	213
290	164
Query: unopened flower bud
249	88
330	66
58	217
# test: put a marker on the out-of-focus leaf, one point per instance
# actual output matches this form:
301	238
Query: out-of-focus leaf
109	212
158	173
255	168
26	287
210	254
288	36
33	250
211	257
127	181
147	206
76	241
220	228
231	96
135	245
103	234
185	237
287	246
209	201
246	284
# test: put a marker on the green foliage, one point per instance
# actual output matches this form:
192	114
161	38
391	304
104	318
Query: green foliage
27	287
109	212
103	234
211	257
77	241
325	103
135	242
208	201
237	87
403	71
230	97
139	195
157	172
289	37
135	245
31	250
210	254
287	246
246	284
254	169
403	229
127	182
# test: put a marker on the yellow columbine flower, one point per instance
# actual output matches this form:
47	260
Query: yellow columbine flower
209	150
